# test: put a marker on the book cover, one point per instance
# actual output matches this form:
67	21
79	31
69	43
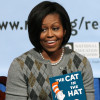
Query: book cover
68	87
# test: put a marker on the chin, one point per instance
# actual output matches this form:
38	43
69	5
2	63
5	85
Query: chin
52	50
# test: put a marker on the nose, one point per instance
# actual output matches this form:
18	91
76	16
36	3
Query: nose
50	33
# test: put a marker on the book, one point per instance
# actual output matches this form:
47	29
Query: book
68	87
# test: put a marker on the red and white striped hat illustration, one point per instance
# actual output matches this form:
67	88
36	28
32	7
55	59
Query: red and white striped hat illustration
59	94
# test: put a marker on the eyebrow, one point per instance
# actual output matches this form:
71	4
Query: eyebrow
53	23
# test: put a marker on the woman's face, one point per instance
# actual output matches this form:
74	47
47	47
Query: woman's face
52	33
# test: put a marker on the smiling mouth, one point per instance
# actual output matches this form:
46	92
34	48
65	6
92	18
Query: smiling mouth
50	41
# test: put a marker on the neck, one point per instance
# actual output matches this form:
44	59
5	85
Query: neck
54	57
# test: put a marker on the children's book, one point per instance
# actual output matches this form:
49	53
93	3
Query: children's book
68	87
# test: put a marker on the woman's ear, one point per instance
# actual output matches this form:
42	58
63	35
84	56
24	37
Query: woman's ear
64	32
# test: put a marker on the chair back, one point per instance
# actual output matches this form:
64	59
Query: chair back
3	80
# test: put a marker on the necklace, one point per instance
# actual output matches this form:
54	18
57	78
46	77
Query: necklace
58	60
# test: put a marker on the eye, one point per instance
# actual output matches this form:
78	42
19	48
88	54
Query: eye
44	29
55	28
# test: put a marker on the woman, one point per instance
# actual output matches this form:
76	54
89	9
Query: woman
49	30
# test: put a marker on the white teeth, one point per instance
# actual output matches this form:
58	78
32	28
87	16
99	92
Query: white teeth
50	41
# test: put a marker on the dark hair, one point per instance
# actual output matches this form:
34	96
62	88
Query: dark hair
35	19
